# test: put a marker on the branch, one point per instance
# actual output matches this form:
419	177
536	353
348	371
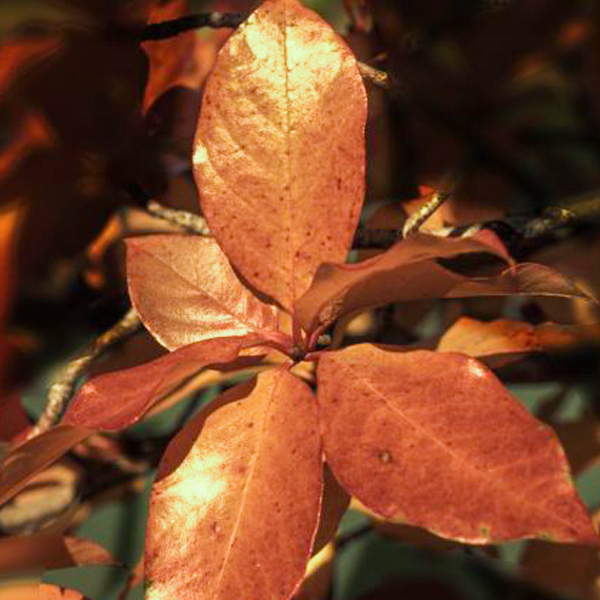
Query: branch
169	29
62	389
520	233
186	220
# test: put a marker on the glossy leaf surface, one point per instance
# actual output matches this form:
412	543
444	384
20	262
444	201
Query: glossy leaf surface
409	271
434	439
185	291
481	338
235	506
279	154
116	400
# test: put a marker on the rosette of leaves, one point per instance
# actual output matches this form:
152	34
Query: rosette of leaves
431	439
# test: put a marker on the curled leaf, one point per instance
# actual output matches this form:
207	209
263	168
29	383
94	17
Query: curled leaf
279	151
185	291
234	510
409	271
433	439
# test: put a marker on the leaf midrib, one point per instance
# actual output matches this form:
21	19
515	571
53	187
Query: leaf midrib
461	459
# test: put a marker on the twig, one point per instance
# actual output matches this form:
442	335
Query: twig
375	76
520	233
61	390
414	222
169	29
185	220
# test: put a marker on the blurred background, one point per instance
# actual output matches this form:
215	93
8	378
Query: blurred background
495	100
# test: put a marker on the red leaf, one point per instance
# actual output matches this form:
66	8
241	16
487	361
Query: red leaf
279	157
408	271
49	551
435	440
185	291
26	460
116	400
479	338
235	507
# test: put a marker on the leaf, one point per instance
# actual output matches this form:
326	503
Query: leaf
334	504
22	463
185	291
174	61
279	152
433	439
48	591
408	271
572	570
234	510
49	551
116	400
478	338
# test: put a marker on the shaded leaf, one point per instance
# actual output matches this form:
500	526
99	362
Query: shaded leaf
573	570
478	338
408	271
22	463
333	506
49	551
173	62
116	400
234	510
433	439
279	155
319	574
185	291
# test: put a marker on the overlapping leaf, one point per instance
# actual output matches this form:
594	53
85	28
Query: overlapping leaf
185	291
235	506
409	271
26	460
434	439
279	155
116	400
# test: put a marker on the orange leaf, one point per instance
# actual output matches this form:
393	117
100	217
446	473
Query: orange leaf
185	291
434	439
48	591
173	62
20	465
408	271
49	551
478	338
234	510
116	400
279	151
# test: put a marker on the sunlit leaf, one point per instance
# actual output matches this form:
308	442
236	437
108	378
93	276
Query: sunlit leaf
433	439
235	506
409	271
48	591
116	400
185	291
279	156
479	338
